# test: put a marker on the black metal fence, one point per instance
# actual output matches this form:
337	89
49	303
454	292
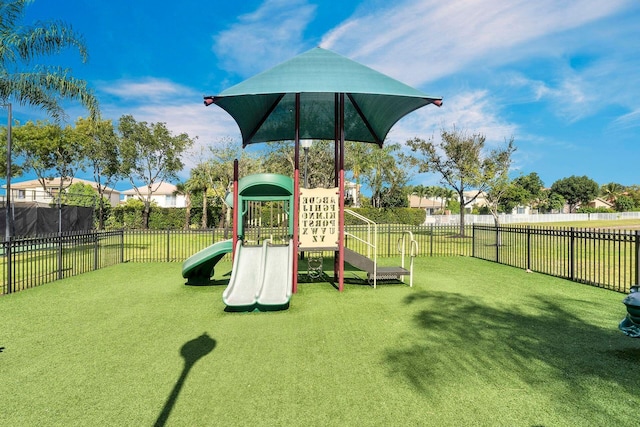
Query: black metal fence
31	262
433	240
603	258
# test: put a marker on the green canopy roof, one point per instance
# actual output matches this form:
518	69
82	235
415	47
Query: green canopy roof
264	105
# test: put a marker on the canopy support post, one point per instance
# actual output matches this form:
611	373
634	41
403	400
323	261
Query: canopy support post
296	197
340	161
236	208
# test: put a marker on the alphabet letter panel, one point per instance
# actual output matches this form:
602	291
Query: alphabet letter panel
318	220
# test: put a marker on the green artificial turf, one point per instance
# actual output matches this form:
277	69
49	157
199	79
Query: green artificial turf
472	343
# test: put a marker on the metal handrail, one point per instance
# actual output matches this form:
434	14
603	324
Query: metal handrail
371	241
412	252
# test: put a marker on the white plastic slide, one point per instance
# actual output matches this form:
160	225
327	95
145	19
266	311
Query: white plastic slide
277	277
246	277
261	275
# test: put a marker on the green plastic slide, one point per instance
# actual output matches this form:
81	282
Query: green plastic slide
199	267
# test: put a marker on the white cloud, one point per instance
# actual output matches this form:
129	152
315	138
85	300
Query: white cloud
474	111
145	90
181	108
266	37
418	42
627	121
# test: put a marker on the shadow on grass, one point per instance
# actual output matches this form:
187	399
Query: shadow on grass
460	338
191	352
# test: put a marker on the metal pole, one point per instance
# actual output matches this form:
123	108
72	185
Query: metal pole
306	167
637	255
8	197
8	222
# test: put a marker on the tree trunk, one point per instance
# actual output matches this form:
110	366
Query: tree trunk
145	214
204	209
496	222
187	213
101	214
462	205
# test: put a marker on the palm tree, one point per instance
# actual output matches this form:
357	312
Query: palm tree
612	191
448	194
421	191
440	193
184	188
25	81
198	182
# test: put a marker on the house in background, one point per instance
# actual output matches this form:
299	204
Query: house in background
33	191
352	192
165	195
430	205
601	203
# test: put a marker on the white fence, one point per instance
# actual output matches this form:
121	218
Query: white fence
520	218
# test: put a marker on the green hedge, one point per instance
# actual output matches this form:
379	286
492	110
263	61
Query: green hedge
408	216
130	217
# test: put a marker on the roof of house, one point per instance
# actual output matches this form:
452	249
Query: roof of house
55	182
600	202
424	203
162	188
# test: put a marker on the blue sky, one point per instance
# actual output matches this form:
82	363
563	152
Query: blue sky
561	77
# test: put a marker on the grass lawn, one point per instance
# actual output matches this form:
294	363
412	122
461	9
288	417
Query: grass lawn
472	343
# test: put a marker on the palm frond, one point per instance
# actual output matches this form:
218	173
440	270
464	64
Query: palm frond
11	12
45	87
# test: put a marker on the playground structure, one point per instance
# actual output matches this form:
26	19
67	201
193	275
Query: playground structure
263	251
316	95
262	265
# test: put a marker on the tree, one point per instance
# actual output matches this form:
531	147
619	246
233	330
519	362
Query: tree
150	154
199	183
458	160
48	151
357	158
185	188
513	196
576	190
79	194
23	77
496	177
550	201
624	203
612	191
421	191
532	185
99	148
279	158
384	177
523	190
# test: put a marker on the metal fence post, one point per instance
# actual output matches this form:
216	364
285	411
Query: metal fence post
529	247
497	243
637	260
60	255
8	254
431	240
95	250
473	240
168	245
121	246
572	250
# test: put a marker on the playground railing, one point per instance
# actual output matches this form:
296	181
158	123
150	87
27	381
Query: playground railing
408	246
369	239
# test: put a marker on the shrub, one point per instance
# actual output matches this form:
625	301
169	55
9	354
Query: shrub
406	216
